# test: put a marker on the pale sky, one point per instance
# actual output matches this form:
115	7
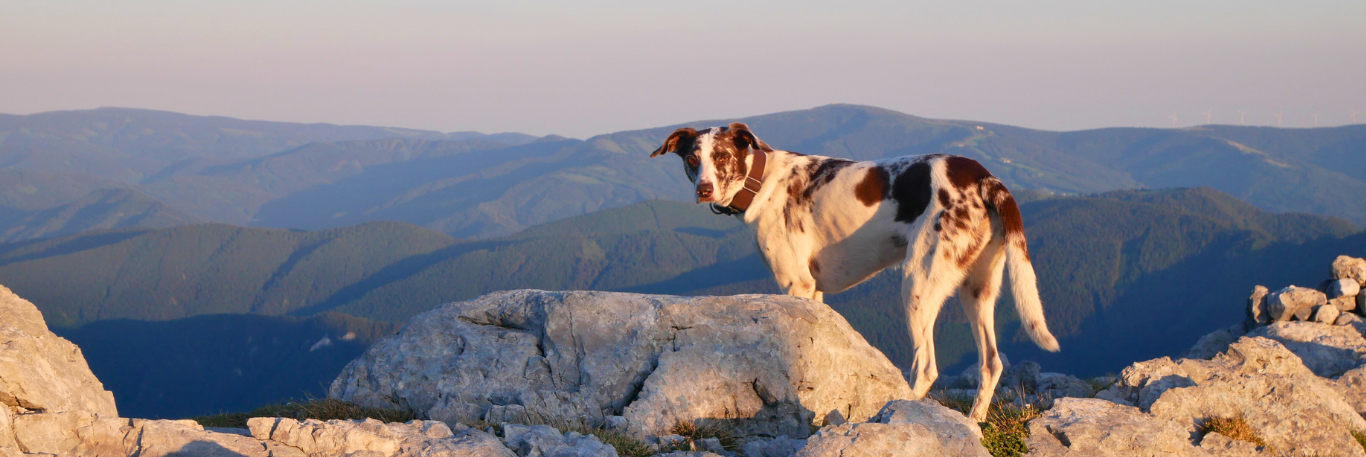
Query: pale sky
589	67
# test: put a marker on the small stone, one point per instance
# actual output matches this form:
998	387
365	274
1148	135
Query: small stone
1350	267
1023	377
1344	304
1344	287
1294	302
1256	306
1347	319
1326	314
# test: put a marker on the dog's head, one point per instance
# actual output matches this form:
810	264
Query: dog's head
716	160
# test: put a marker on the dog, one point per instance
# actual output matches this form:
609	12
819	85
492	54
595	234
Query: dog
825	224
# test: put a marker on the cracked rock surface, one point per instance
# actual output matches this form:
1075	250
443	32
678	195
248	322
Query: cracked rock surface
40	371
760	364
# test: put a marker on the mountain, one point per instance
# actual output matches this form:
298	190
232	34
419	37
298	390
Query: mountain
1141	255
220	363
179	158
100	209
315	176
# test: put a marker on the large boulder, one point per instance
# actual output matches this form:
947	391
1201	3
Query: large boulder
1258	379
1327	350
760	364
40	371
902	428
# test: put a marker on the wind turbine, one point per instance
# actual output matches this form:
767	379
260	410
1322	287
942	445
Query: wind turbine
1209	113
1242	115
1278	118
1316	119
1173	118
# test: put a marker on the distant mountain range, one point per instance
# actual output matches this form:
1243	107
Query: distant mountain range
470	185
1167	266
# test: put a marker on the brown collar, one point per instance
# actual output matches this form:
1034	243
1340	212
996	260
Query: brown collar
753	181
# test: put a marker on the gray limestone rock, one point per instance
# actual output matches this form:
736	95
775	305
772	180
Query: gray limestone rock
543	440
371	437
902	428
1345	287
1327	350
1325	314
83	433
1058	385
1257	313
781	446
1214	342
40	371
1259	379
1349	319
1349	267
1293	302
760	364
1352	386
1077	427
1022	377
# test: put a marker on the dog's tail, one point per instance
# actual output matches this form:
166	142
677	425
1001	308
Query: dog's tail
1023	283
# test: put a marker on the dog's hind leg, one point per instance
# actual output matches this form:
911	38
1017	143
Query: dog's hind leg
978	296
929	279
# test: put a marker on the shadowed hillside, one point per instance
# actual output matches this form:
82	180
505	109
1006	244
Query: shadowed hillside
215	363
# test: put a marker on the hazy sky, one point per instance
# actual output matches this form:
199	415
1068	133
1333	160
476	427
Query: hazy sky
588	67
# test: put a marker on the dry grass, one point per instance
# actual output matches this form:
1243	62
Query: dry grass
325	409
1007	424
692	432
1233	427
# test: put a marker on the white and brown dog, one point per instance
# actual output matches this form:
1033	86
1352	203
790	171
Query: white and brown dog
825	224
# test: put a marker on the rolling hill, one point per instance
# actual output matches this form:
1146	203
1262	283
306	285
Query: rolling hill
469	185
1097	256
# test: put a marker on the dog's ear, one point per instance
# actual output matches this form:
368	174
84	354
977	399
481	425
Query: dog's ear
746	139
684	135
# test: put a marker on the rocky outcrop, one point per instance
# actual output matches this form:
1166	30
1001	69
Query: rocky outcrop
902	428
1257	379
1084	427
40	371
759	364
82	433
372	437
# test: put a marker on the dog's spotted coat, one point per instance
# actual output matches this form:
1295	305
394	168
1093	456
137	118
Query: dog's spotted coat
825	224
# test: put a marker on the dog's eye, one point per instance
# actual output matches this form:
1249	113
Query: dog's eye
722	159
692	160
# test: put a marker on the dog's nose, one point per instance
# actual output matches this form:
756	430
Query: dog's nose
703	191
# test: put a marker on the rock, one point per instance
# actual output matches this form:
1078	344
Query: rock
1349	267
972	375
1257	313
1023	377
1214	342
40	371
1352	386
765	365
1293	302
781	446
1344	304
902	428
1349	319
1259	379
689	454
1143	383
371	437
83	433
543	440
1088	427
1058	385
1361	303
1327	350
1345	287
1325	314
1218	445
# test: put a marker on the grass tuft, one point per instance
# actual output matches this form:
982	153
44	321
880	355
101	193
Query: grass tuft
325	409
1007	424
692	432
1233	427
1360	437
